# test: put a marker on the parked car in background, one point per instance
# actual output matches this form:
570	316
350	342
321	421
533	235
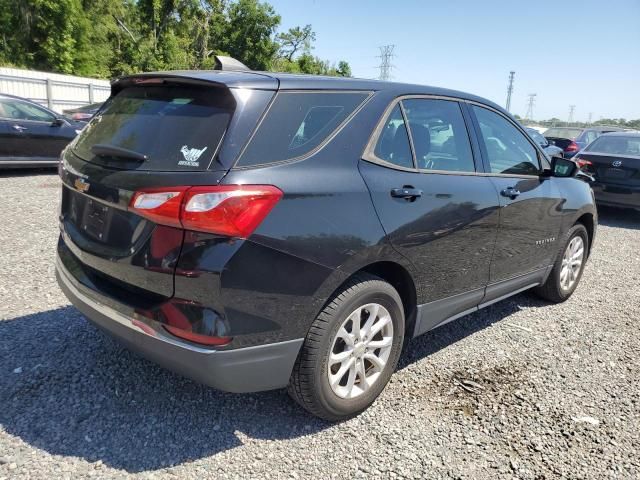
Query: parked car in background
574	139
551	150
614	161
260	230
83	113
32	135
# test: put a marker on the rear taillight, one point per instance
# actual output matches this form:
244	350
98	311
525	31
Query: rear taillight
232	210
572	147
583	163
160	205
81	116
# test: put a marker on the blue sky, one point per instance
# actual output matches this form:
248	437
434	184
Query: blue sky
584	53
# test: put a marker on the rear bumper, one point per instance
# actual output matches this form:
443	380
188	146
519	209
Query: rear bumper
617	195
251	369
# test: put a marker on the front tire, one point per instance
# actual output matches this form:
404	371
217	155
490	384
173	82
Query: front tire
568	268
351	350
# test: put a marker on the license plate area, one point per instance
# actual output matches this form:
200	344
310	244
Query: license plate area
96	219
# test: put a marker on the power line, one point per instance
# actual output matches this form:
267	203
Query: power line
530	103
572	109
386	55
510	90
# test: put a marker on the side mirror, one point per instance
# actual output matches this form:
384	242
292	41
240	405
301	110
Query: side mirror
58	122
563	167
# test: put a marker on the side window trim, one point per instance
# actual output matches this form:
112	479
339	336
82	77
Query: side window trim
483	147
409	134
369	155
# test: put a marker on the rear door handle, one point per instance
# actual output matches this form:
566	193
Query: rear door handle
19	128
407	192
510	192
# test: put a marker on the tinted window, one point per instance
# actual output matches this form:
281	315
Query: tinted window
17	110
616	145
439	135
393	144
298	122
590	136
508	150
176	127
570	133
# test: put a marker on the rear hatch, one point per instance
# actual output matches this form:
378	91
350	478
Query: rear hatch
156	132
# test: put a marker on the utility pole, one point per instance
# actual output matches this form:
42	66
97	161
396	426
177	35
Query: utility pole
530	103
386	55
572	109
510	90
590	117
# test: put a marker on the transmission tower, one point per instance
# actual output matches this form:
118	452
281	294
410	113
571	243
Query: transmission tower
530	103
386	55
590	117
510	90
572	108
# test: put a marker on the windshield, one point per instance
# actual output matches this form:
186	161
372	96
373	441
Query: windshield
170	127
570	133
615	145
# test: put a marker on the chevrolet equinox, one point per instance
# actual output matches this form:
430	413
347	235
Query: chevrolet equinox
256	231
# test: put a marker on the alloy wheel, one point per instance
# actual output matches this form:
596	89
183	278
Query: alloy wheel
571	263
360	350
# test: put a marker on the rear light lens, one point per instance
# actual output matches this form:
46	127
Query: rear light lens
235	211
81	116
572	147
232	210
159	205
583	163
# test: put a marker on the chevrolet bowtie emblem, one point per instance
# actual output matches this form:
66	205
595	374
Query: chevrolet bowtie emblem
81	185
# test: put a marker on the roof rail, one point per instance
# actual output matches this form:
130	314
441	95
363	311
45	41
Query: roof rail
228	63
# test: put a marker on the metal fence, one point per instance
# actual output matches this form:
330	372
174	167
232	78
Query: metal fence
56	91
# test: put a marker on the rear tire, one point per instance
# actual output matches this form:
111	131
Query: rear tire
566	273
351	350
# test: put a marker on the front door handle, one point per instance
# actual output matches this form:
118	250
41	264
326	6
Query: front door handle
19	128
510	192
407	192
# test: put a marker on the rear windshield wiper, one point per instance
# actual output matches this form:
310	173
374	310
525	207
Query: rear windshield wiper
103	150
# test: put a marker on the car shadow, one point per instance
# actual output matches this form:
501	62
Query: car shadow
450	333
69	390
619	217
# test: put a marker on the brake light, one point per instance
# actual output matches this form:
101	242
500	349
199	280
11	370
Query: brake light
232	210
81	116
572	147
583	163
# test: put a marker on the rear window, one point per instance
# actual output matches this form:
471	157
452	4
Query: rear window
615	145
297	123
570	133
174	127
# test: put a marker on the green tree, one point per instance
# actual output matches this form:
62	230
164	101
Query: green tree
295	40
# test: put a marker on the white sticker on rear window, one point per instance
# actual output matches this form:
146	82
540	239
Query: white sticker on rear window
191	156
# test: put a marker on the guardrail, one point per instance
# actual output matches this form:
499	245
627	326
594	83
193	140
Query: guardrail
55	93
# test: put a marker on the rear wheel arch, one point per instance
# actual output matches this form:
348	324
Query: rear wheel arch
399	278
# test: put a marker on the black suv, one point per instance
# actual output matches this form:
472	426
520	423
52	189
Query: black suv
256	231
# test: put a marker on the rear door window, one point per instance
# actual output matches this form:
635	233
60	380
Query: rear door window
439	134
297	123
393	145
173	127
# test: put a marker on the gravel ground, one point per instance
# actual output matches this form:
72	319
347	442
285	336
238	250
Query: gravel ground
520	390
